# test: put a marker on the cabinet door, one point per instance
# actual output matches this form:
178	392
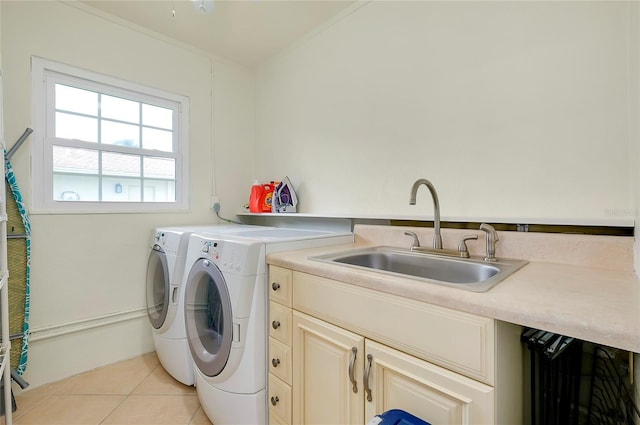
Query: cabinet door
439	396
323	392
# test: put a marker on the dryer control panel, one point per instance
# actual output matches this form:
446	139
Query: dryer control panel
168	241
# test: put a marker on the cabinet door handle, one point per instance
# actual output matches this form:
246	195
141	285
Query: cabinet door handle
275	286
275	362
367	370
275	324
274	400
352	363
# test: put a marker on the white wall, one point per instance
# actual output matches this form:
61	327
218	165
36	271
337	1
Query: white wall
234	134
516	111
88	271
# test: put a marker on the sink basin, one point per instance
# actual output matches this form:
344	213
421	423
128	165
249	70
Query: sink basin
471	274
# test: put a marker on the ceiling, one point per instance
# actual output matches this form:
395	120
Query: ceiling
244	31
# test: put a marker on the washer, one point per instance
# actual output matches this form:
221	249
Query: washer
226	305
165	294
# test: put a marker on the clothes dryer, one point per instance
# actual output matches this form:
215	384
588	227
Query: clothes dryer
226	316
165	292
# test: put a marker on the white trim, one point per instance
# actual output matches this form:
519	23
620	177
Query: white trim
53	331
42	200
103	79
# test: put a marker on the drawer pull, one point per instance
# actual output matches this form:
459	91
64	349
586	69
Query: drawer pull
352	363
275	286
275	324
275	362
274	400
367	370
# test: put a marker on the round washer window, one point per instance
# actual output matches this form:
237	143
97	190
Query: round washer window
208	317
157	287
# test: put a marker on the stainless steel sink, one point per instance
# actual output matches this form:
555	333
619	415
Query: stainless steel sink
470	274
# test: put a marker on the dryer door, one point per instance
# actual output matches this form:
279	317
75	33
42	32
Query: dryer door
157	287
208	317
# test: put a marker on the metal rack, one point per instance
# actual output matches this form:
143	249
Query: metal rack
561	365
555	366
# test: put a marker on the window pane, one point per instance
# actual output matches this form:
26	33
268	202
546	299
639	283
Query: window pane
74	161
154	116
159	168
159	191
120	109
70	126
119	189
159	179
115	133
76	100
117	164
75	187
159	140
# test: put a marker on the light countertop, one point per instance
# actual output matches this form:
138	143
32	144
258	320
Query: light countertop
582	298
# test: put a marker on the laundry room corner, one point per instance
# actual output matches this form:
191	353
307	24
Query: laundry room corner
88	269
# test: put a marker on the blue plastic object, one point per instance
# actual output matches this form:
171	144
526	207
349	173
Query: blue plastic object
396	417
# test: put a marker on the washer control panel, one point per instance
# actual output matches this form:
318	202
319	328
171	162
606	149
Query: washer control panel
227	256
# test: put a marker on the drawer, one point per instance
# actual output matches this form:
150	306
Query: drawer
458	341
279	400
274	420
280	322
280	285
280	360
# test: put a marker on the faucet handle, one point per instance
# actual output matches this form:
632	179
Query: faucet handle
416	242
462	247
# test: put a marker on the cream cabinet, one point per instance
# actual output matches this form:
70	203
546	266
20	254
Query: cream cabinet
343	378
399	381
328	369
280	365
357	352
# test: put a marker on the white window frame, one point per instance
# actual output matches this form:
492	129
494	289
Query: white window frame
45	73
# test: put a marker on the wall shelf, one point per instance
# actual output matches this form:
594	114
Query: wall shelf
619	226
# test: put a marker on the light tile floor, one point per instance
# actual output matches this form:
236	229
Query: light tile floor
133	392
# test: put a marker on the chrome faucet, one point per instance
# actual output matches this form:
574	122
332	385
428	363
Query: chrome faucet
492	238
437	237
415	243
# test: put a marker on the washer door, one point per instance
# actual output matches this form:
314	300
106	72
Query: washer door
208	317
157	287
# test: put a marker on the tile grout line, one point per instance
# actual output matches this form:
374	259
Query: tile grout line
126	396
15	417
138	385
193	416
